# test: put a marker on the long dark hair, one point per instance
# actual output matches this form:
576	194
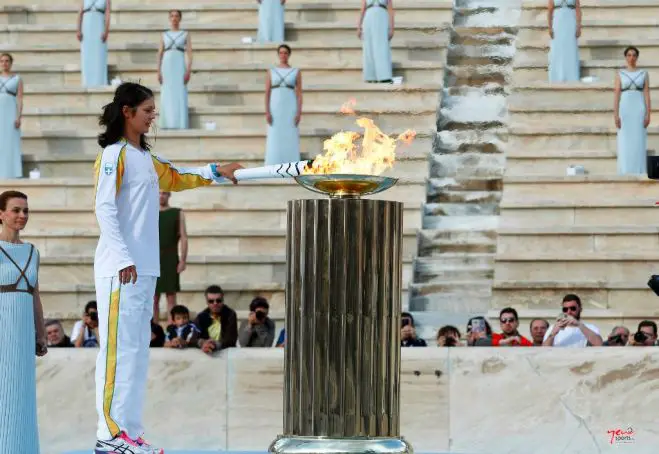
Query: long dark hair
127	94
5	196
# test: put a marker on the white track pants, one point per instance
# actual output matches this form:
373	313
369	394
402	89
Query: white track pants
124	314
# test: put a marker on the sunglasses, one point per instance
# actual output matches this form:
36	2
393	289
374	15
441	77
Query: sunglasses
215	301
570	308
508	320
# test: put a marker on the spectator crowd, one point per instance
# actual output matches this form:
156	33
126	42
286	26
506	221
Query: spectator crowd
216	328
213	329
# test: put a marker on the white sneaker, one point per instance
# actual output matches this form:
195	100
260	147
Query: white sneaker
121	444
142	443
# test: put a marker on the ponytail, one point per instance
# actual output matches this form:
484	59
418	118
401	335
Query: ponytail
127	94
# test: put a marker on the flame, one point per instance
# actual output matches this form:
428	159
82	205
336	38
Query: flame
344	153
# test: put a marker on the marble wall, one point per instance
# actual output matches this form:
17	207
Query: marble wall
466	400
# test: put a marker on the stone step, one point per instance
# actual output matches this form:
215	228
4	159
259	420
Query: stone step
453	266
193	144
577	95
587	240
234	117
222	13
605	320
231	242
436	242
565	265
219	75
450	303
211	34
556	162
241	217
596	212
248	195
557	116
603	137
68	301
589	49
211	268
595	9
532	71
247	98
628	29
611	189
620	296
57	166
152	12
229	54
467	164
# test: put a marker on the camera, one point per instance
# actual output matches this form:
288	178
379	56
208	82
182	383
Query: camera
640	337
616	340
260	316
405	322
93	316
450	342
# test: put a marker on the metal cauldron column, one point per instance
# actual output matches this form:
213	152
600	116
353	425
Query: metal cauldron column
342	355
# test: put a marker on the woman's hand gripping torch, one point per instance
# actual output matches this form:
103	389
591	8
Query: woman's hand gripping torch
235	173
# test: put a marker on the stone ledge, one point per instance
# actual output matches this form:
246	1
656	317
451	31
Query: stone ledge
607	64
584	393
588	178
88	182
204	133
204	232
153	47
242	88
202	66
228	6
629	22
567	285
592	44
192	259
524	130
239	110
197	27
577	204
579	230
520	108
578	87
579	256
560	154
607	4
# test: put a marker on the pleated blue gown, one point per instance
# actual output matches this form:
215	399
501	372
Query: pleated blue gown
632	136
271	22
375	42
564	48
10	136
93	51
283	141
174	91
19	432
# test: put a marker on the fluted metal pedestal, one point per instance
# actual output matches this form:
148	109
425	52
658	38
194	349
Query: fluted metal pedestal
342	366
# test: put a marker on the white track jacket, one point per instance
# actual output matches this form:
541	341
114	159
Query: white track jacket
127	185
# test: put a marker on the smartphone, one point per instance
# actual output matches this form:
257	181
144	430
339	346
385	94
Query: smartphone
405	322
478	325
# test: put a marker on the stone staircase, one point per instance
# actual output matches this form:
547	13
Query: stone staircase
595	235
237	234
457	244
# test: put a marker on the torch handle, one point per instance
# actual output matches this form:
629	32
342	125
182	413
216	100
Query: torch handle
285	170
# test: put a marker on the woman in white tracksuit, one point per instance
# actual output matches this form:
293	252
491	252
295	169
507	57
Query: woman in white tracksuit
128	178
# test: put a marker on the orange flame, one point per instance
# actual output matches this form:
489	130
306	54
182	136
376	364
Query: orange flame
345	154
